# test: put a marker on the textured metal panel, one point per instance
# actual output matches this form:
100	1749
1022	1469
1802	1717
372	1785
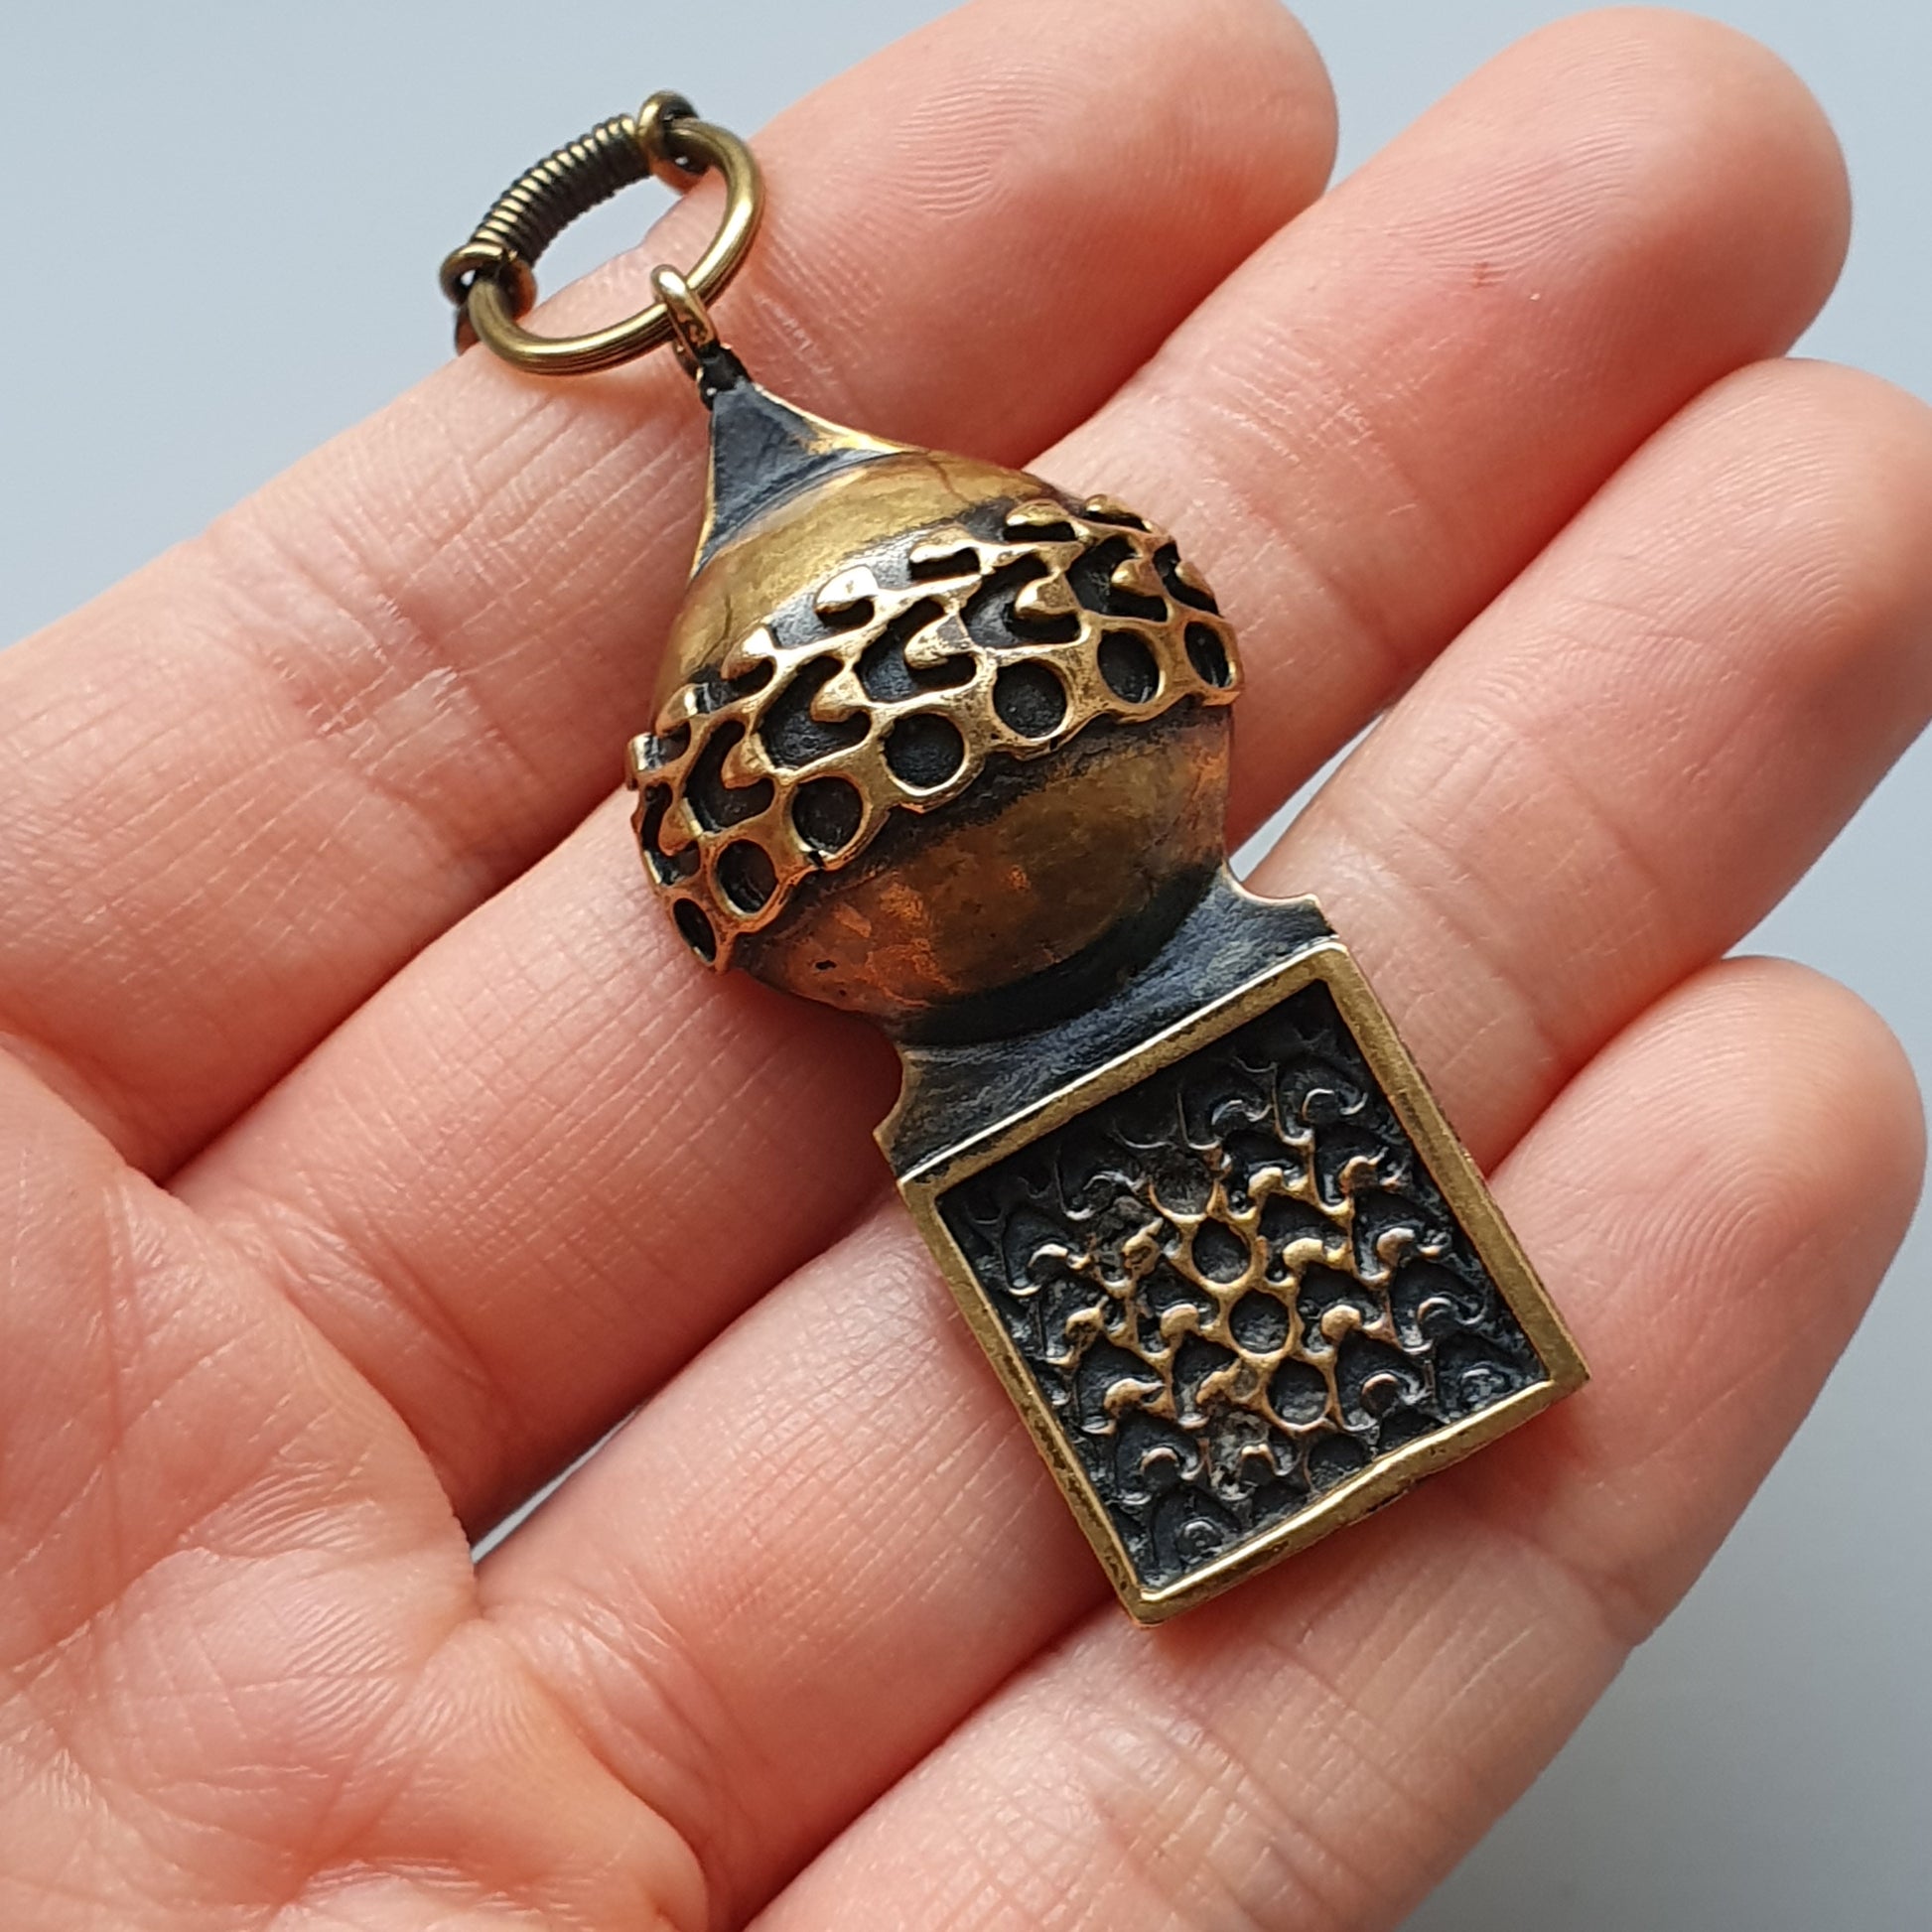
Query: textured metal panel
1236	1286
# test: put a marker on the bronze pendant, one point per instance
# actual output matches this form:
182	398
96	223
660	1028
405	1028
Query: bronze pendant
941	745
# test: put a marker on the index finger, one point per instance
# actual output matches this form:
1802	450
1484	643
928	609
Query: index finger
256	778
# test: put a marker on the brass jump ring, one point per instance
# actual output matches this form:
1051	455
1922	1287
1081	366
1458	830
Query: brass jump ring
692	330
492	278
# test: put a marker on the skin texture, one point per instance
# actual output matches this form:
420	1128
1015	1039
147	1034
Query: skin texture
369	1148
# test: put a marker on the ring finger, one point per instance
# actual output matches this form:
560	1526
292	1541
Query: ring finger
1590	794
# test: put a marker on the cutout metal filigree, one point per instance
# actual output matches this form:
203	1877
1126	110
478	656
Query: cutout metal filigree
1237	1287
890	687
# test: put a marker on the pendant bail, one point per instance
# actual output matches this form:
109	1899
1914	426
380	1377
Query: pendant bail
692	330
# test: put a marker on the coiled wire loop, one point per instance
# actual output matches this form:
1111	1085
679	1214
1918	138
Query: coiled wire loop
492	278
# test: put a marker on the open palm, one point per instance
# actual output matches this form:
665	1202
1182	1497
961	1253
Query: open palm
369	1145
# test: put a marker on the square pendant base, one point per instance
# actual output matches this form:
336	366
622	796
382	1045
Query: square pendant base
1229	1259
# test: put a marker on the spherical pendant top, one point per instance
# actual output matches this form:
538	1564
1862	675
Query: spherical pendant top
928	729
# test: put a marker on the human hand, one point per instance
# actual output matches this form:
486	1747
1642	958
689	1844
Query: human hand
372	1146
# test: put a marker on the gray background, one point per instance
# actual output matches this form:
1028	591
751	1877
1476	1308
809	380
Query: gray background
291	176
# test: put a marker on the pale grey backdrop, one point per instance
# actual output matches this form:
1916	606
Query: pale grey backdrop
292	174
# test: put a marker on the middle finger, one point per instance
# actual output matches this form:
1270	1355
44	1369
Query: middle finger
521	1208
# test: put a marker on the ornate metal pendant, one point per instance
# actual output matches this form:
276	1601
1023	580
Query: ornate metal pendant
938	743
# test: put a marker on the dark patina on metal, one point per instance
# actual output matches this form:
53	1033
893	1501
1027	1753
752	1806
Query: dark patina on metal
939	744
1236	1288
1243	1281
1189	1190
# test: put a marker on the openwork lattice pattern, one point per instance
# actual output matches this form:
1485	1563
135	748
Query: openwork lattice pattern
890	686
1236	1286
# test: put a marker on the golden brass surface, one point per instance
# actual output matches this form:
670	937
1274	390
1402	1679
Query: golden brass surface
492	278
966	904
693	332
856	510
929	593
937	743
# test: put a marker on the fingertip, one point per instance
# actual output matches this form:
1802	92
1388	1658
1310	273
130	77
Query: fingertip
1725	152
1790	158
1834	1058
1714	1202
1278	83
1224	107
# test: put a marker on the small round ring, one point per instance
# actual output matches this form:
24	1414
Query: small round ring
490	308
693	332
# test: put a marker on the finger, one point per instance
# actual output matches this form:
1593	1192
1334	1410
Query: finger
253	781
1368	430
241	1674
504	1110
1715	1202
1649	738
1765	544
